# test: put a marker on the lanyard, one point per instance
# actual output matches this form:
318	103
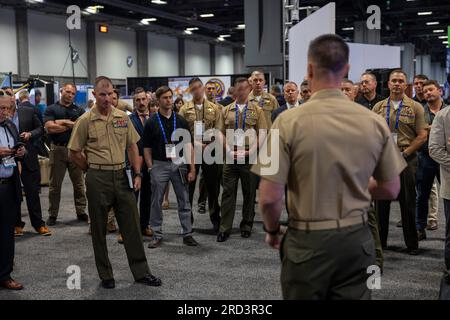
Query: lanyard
203	110
162	128
7	137
236	124
388	114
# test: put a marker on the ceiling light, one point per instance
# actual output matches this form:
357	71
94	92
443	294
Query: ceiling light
94	9
207	15
148	20
348	29
241	26
445	42
432	23
187	32
220	39
438	31
192	29
159	2
425	13
443	37
225	35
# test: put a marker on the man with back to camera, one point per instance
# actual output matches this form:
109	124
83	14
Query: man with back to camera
328	247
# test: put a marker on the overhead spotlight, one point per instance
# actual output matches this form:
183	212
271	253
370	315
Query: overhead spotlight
148	20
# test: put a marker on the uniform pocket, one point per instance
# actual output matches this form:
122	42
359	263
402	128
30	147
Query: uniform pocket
299	255
368	247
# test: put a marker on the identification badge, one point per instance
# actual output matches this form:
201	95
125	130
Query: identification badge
239	139
170	151
9	162
199	127
395	137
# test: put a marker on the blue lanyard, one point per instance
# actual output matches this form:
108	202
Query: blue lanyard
236	124
388	114
162	128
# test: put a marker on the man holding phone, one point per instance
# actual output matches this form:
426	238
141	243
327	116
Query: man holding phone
10	191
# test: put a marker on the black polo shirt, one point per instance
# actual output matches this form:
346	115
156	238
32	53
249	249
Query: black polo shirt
423	102
369	104
153	137
58	112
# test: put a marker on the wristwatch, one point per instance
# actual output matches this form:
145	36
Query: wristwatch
272	233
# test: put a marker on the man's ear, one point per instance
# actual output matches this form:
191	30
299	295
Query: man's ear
310	73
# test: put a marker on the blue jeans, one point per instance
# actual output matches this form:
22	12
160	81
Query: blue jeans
426	172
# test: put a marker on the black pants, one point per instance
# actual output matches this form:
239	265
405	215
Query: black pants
407	199
31	181
145	199
211	182
9	204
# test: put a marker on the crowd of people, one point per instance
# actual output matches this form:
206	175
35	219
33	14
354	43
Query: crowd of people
121	159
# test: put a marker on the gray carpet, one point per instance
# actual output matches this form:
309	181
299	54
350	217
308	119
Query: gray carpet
237	269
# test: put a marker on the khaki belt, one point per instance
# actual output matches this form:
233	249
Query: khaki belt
107	167
329	224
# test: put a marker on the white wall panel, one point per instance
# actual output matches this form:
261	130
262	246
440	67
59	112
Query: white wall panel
224	60
48	43
162	55
112	50
8	52
197	60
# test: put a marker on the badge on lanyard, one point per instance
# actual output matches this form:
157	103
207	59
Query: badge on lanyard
171	151
9	162
239	138
395	137
199	128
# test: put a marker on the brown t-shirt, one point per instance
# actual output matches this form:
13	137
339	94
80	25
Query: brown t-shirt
328	149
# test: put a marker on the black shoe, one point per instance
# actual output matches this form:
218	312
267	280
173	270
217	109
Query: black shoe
108	284
189	241
421	234
51	221
216	227
150	280
155	243
222	237
246	234
83	217
412	252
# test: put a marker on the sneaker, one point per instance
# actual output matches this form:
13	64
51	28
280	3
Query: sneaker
51	221
83	217
147	232
18	231
190	241
432	225
421	234
120	238
44	231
